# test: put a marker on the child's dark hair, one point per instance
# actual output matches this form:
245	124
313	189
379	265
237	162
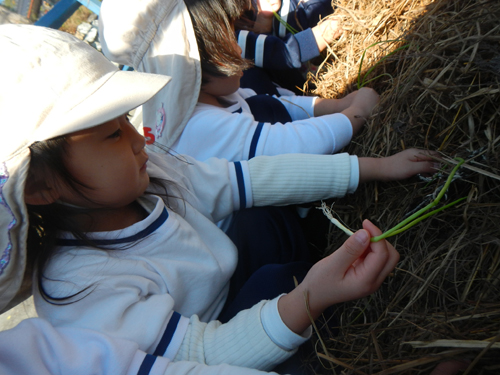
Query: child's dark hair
45	221
213	26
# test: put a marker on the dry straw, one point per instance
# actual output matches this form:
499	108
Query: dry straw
438	73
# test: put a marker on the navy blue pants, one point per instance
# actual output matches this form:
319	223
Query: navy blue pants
272	250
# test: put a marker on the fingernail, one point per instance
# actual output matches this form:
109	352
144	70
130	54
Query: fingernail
362	236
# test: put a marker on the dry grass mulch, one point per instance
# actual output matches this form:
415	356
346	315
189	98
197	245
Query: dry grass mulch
436	65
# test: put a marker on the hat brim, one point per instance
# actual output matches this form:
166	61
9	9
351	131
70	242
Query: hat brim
120	93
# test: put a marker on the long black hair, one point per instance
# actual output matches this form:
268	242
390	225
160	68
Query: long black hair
213	26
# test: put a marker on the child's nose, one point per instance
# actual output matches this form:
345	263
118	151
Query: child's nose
138	141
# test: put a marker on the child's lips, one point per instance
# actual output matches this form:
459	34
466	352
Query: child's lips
144	166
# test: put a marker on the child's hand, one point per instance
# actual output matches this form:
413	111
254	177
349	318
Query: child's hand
324	106
264	20
361	107
326	32
365	100
355	270
402	165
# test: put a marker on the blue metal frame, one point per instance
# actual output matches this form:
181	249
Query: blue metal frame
64	9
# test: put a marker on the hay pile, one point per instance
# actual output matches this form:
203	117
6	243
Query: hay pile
439	86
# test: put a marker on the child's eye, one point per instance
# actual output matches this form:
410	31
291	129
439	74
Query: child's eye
116	134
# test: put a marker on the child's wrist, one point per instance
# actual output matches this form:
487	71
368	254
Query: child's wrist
371	169
293	311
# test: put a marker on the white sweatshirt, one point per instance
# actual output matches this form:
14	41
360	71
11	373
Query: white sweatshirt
173	268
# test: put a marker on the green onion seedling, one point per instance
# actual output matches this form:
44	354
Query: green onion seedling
283	22
411	220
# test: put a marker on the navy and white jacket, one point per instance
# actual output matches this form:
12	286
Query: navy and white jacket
272	52
281	49
167	278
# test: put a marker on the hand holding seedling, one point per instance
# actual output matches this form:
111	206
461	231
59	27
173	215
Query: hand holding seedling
355	270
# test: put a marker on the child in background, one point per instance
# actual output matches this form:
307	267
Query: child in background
124	242
272	46
243	124
222	119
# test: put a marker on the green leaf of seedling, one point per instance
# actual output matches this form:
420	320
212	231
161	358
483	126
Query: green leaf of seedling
408	226
412	220
362	81
416	217
283	22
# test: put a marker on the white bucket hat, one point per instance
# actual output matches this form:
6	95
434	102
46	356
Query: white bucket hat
52	84
156	36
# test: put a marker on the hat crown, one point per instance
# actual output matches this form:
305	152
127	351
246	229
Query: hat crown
46	74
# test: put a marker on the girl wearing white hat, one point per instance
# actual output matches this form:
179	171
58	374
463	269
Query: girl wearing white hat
124	242
53	85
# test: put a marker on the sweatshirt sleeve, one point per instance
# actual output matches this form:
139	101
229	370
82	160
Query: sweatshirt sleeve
255	338
272	52
286	179
267	180
237	136
35	347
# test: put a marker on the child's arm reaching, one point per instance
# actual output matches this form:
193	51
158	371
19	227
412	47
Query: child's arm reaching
273	52
301	178
355	270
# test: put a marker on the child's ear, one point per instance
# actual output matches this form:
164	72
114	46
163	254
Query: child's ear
39	193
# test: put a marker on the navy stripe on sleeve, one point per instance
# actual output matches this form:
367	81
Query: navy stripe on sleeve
147	364
249	44
136	237
168	334
255	139
241	184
